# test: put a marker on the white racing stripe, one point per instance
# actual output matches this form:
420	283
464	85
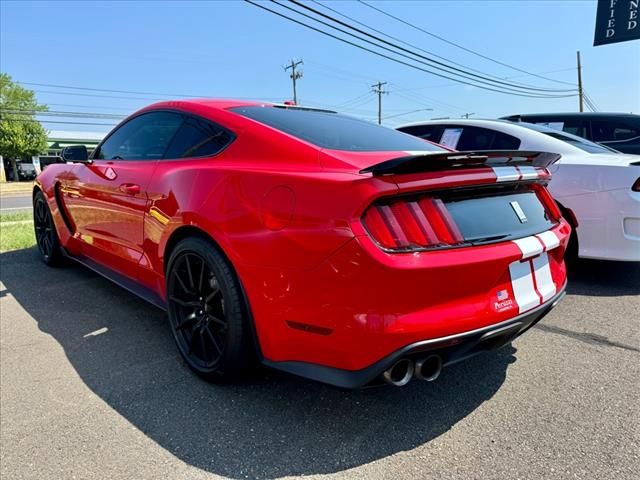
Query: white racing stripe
529	246
528	173
522	284
542	273
549	239
533	271
418	152
506	174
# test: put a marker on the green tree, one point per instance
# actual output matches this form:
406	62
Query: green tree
21	135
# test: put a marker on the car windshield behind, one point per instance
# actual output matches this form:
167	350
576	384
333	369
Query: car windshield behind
334	131
574	140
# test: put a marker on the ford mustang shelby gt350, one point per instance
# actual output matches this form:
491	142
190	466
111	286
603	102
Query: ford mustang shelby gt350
315	243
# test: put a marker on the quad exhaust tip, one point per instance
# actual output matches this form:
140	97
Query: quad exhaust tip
428	368
400	373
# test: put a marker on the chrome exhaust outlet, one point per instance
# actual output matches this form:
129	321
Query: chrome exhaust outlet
400	373
428	368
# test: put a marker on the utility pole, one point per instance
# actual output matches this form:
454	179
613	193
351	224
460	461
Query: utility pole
467	115
580	91
295	75
378	90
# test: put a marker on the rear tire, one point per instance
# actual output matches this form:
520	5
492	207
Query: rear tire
208	314
45	231
571	254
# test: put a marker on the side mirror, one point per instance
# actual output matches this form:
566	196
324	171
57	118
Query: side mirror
76	153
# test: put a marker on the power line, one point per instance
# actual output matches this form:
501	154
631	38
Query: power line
96	95
460	46
592	101
465	68
57	122
395	59
107	90
75	87
428	61
354	102
409	112
85	106
49	113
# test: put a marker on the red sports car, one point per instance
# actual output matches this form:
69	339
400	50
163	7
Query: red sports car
312	242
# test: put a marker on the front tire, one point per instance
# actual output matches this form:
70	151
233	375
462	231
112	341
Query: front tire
45	231
207	312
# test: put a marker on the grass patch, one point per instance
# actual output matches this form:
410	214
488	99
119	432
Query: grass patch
16	236
16	217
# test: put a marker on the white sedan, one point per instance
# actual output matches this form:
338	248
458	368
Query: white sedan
591	183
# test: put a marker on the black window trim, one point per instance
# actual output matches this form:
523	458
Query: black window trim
184	116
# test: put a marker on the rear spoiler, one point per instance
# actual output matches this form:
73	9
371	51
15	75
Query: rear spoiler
429	162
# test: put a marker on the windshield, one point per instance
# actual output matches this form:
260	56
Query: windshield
334	131
574	140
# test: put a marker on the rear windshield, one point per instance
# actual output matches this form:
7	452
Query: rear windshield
505	216
334	131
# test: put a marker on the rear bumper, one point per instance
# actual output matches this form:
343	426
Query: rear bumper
452	349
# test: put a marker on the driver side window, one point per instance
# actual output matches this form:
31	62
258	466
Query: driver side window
145	137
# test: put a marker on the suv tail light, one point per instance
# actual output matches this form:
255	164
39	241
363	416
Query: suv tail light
403	225
636	186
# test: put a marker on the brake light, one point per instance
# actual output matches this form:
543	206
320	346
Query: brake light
412	224
549	202
636	186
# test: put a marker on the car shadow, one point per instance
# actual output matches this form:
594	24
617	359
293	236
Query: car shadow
604	278
271	426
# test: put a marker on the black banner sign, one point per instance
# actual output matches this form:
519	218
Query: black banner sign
617	21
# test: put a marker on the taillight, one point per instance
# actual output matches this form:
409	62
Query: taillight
636	186
412	224
548	201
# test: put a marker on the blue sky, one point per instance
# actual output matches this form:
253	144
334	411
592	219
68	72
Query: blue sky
233	49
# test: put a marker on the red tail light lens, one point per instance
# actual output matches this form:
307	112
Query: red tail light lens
548	201
636	186
404	225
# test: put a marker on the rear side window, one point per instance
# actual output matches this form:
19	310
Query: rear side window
334	131
576	127
502	141
606	131
476	138
428	132
145	137
198	138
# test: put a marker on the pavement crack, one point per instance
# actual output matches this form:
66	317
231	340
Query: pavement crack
586	337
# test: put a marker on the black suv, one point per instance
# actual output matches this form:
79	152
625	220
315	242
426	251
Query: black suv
620	131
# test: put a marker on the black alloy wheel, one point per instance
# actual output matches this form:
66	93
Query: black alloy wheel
45	231
207	312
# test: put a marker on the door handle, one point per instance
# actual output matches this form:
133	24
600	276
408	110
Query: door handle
130	188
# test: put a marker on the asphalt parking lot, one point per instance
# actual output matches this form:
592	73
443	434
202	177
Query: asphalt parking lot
92	387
